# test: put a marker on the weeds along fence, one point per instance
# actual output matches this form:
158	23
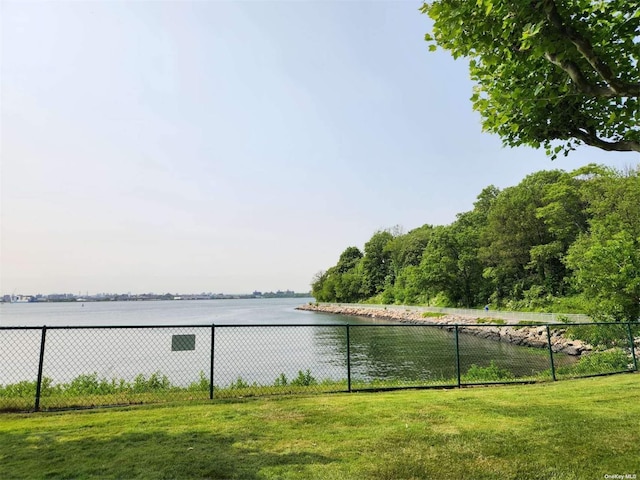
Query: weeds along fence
45	368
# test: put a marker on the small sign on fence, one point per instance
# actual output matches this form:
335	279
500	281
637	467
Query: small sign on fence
180	343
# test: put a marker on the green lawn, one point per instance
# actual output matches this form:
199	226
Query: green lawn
578	429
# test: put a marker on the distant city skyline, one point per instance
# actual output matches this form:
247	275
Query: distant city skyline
229	146
123	296
88	293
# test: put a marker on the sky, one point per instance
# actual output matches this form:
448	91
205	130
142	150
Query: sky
229	146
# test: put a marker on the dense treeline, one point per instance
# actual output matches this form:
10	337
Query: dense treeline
556	241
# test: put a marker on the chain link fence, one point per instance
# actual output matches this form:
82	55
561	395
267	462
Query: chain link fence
75	367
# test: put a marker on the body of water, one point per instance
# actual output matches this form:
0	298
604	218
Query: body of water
171	312
256	340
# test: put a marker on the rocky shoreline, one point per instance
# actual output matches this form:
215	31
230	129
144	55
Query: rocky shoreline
531	336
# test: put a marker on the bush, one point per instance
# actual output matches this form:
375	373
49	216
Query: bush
304	379
441	300
281	381
603	335
492	373
155	383
89	384
609	361
202	385
20	389
238	384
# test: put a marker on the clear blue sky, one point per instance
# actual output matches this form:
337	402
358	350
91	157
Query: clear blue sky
228	146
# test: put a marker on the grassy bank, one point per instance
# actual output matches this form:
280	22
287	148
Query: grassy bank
579	429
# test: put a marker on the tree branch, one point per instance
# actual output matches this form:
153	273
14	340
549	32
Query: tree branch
579	79
590	138
584	47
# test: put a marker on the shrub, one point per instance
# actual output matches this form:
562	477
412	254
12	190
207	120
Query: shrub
492	373
281	381
603	335
238	384
609	361
26	388
90	384
304	379
156	382
202	385
20	389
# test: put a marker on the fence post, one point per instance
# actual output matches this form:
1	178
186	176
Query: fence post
211	357
348	360
633	347
553	367
457	357
40	365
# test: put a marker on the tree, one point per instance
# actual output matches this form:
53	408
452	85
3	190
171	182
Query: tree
376	263
410	286
607	268
321	287
450	263
519	249
406	250
555	237
606	260
444	269
348	259
555	73
343	282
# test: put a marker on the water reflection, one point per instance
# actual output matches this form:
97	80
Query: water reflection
415	353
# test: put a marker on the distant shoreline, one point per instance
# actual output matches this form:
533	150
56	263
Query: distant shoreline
147	297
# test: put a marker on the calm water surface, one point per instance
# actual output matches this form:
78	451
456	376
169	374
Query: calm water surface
246	343
185	312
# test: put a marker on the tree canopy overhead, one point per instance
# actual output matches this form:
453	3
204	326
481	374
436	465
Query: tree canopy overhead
552	73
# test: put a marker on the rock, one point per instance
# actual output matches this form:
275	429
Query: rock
526	336
571	350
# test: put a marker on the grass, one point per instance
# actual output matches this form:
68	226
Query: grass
578	429
58	399
491	321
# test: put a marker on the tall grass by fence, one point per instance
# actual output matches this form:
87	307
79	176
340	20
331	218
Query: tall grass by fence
43	368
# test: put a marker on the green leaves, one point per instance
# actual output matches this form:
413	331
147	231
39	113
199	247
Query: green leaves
606	261
554	234
541	68
529	31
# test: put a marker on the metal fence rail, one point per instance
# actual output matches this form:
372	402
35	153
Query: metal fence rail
44	368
